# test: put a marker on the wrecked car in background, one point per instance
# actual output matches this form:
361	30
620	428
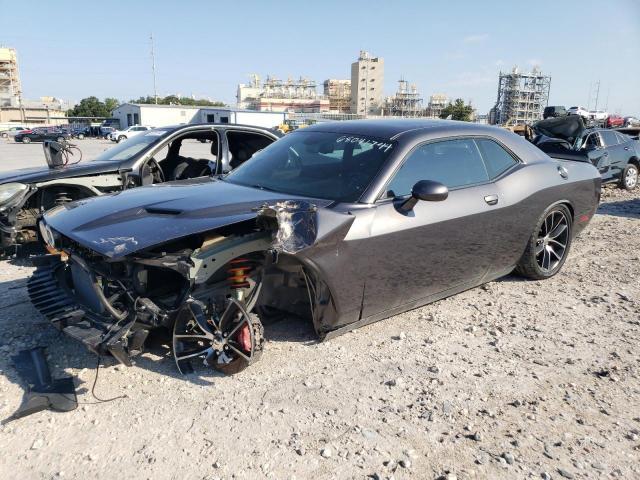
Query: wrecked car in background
614	154
340	224
169	153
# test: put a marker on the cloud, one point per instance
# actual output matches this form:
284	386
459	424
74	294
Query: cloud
499	63
477	38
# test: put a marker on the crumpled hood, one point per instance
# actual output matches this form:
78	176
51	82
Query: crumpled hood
567	128
44	173
119	224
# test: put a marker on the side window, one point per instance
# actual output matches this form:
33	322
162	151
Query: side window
622	138
454	163
593	141
496	158
242	146
609	138
200	147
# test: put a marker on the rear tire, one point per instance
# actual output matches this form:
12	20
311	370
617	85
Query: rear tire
629	178
548	245
121	138
60	139
26	140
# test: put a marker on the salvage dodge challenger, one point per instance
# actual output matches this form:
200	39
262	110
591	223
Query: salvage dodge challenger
168	153
339	224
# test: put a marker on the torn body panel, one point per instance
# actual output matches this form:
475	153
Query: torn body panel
268	260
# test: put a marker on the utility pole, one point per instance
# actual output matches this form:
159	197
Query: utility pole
153	69
597	94
589	97
606	105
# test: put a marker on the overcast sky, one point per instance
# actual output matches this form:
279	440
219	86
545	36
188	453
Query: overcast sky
205	48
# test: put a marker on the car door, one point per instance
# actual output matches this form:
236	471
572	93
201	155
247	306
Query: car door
436	246
618	156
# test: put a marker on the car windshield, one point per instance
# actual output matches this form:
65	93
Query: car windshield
327	165
131	147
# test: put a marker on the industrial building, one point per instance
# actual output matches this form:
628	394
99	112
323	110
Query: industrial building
339	94
16	110
437	103
275	95
405	103
154	115
367	83
10	91
521	97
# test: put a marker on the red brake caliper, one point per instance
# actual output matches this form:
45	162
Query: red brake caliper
244	338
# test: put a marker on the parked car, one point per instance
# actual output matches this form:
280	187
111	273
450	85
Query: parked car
341	224
614	154
583	112
614	121
105	132
557	111
12	132
40	135
170	153
598	115
121	135
631	122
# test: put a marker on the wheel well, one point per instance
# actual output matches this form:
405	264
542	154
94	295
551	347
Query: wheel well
570	207
52	195
635	161
293	286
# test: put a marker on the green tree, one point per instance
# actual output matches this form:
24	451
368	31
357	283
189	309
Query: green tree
175	100
458	111
111	103
93	107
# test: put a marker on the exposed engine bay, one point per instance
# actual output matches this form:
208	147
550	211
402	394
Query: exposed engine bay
210	290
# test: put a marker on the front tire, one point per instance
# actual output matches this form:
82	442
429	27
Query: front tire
121	138
629	179
26	140
60	139
548	246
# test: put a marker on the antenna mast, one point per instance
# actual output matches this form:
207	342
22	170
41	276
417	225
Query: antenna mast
153	69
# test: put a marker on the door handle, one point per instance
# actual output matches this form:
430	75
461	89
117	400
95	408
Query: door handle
627	148
605	154
491	199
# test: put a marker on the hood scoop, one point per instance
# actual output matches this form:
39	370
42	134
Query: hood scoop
163	211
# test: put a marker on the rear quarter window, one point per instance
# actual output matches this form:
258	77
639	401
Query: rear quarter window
496	158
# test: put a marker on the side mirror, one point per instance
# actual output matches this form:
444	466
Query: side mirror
426	190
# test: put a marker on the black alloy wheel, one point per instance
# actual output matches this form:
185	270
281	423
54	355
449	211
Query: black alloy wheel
548	246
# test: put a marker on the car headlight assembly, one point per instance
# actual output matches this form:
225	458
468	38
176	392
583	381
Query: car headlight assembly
11	194
48	235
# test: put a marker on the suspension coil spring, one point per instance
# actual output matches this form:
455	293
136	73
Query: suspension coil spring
239	272
62	197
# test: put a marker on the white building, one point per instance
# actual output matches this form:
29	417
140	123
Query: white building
367	83
163	115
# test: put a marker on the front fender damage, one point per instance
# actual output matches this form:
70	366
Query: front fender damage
254	265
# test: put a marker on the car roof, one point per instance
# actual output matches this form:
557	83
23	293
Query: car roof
391	129
175	128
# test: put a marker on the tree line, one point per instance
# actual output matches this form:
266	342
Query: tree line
94	107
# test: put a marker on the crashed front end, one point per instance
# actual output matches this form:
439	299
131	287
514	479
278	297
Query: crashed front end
203	287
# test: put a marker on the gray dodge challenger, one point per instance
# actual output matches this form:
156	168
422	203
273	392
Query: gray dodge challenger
339	224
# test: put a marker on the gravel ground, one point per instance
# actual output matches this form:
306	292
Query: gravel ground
515	379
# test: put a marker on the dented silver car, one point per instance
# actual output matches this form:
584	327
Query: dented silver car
337	224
